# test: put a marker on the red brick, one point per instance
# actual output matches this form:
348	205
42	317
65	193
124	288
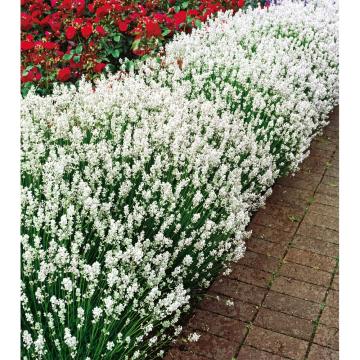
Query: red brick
276	343
304	273
299	289
210	346
323	144
335	160
296	198
311	259
327	210
327	336
334	117
277	217
230	329
250	276
330	317
328	190
316	246
266	247
239	290
283	323
332	171
301	181
322	353
323	153
334	127
325	221
268	234
281	211
314	164
291	305
217	304
317	232
259	261
326	199
249	353
176	354
330	181
331	135
333	298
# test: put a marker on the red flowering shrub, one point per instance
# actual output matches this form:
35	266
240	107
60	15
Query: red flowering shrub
63	39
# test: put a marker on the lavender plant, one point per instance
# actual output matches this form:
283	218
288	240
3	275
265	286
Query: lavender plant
138	192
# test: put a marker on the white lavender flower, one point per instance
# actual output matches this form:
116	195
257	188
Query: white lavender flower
139	191
193	337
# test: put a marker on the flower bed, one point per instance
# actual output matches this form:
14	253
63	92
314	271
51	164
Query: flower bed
65	39
137	193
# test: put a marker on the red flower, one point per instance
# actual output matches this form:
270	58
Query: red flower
80	7
78	21
64	74
86	31
193	12
36	75
27	45
180	17
32	76
140	52
55	25
103	10
66	4
49	45
142	10
26	21
70	32
76	65
99	67
100	30
47	35
241	3
153	29
159	17
91	7
123	26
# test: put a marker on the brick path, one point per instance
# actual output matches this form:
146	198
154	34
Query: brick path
285	289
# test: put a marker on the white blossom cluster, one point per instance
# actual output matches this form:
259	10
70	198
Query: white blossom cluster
137	192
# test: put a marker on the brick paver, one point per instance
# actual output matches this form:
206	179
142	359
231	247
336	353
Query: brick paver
276	343
281	299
